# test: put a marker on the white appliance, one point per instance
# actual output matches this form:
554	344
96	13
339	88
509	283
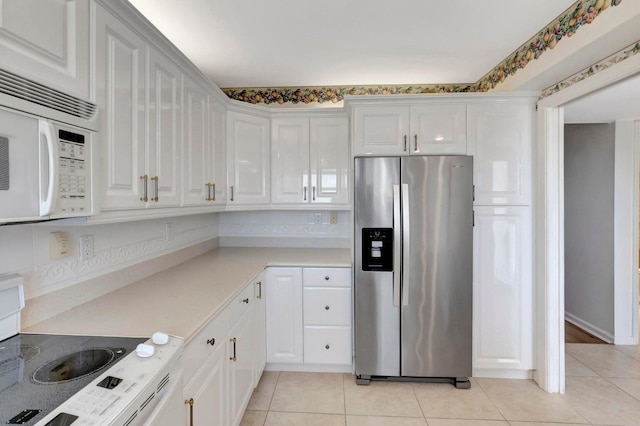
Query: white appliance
144	388
46	169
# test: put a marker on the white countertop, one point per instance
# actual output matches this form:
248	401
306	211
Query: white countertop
183	299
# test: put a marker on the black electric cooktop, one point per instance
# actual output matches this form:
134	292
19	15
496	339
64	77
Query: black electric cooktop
38	372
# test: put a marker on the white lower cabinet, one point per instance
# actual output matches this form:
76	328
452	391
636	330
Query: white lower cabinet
308	317
224	362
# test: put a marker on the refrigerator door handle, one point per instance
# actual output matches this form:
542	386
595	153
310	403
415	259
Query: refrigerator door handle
397	241
405	244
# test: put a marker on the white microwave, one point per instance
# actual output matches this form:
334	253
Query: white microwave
46	169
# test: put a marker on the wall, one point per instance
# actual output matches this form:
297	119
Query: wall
123	253
589	227
285	229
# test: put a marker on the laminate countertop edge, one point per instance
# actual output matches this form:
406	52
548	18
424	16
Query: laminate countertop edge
183	299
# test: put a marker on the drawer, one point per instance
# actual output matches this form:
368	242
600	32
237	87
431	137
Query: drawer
204	344
326	277
327	306
241	304
327	345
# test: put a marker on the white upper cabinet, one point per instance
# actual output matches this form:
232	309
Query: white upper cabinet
310	160
47	41
439	129
381	130
426	128
120	84
329	160
500	140
290	160
164	109
217	158
248	159
196	145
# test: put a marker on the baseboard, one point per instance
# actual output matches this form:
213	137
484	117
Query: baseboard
495	373
310	368
589	328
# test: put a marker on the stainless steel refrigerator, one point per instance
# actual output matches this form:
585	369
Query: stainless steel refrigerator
413	268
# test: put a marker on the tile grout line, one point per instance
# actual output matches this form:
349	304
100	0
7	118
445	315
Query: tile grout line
271	399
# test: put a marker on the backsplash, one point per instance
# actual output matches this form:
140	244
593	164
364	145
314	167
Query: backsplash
285	229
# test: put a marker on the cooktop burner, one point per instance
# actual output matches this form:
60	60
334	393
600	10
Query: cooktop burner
38	372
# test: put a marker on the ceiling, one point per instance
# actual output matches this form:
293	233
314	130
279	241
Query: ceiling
283	43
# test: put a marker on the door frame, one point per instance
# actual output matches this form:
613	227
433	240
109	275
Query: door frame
549	222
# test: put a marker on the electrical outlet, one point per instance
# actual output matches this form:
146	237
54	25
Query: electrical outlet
317	218
168	231
333	218
59	246
86	247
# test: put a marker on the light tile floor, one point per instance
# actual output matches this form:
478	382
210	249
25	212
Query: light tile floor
602	388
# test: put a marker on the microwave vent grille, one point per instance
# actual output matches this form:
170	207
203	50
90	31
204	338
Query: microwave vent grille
28	90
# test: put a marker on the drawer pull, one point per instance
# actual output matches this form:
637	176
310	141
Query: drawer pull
211	341
326	308
190	403
326	277
233	358
259	289
245	300
326	347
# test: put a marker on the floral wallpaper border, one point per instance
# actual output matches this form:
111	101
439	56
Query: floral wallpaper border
629	51
580	13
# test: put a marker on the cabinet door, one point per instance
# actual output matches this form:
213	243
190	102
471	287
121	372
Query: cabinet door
290	160
120	79
241	365
248	159
218	151
208	388
196	145
164	108
259	328
500	140
48	41
329	160
381	130
502	289
439	129
284	315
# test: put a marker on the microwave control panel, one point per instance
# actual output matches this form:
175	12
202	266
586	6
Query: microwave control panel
377	249
74	173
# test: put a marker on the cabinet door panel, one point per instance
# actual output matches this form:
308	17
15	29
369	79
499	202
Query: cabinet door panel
502	289
120	93
196	145
381	130
164	129
290	160
208	388
47	40
218	151
329	159
439	129
259	328
240	367
284	313
500	139
248	152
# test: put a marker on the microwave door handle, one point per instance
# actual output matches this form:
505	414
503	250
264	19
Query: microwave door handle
397	241
47	132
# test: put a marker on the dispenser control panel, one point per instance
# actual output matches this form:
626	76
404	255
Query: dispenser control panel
377	249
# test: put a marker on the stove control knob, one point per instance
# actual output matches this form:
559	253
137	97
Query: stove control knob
160	338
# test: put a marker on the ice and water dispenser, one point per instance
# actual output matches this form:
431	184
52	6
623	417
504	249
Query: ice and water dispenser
377	249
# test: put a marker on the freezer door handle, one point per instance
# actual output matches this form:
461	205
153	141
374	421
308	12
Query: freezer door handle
397	241
405	244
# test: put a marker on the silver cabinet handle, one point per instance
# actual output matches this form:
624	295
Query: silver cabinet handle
231	192
415	143
305	193
208	185
259	283
213	192
144	180
155	180
313	198
233	358
405	143
397	241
